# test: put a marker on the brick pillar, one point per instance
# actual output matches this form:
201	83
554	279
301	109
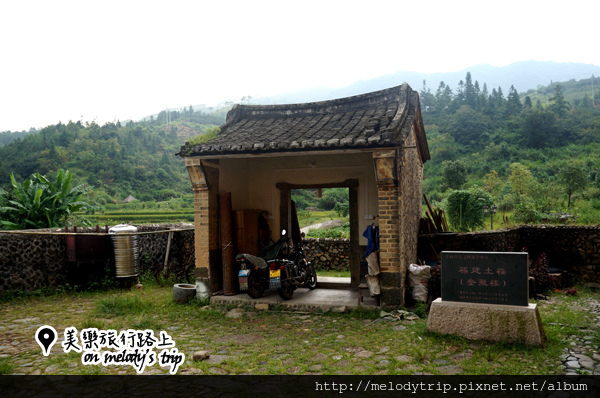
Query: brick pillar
392	274
205	184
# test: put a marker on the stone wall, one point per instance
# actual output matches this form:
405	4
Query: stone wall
37	259
572	248
328	254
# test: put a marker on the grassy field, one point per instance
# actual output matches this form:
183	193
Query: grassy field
278	341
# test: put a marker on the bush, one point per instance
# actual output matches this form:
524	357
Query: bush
539	270
465	208
525	213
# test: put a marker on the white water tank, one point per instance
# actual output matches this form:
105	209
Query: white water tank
127	260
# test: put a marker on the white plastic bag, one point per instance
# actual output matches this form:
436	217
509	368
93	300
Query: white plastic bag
417	279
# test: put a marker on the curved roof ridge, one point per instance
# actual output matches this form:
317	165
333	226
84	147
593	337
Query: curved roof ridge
379	119
337	105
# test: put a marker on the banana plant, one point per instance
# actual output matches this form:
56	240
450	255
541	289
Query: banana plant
41	203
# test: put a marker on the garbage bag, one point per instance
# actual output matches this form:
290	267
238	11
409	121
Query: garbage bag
417	279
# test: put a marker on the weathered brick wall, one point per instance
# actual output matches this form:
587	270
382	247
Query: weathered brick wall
410	198
328	254
39	259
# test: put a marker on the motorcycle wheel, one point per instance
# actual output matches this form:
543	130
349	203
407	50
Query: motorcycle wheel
286	291
311	278
256	287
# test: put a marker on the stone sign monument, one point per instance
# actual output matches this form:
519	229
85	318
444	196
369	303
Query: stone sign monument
488	278
485	297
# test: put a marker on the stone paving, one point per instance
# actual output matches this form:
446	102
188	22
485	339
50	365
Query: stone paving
17	342
576	358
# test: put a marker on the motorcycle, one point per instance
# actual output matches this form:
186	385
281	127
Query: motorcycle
277	267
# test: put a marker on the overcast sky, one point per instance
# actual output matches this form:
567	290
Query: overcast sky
118	60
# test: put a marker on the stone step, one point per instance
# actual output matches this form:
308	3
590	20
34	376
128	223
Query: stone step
328	282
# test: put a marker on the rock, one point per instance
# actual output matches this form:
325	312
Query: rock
262	307
217	371
364	354
467	354
573	365
319	357
235	313
217	359
191	371
398	328
201	355
586	361
343	309
403	358
450	370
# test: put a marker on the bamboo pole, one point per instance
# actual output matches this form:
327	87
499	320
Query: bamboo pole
227	252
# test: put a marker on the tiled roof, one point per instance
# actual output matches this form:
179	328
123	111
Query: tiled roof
375	120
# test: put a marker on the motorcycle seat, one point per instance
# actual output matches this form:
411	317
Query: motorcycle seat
254	260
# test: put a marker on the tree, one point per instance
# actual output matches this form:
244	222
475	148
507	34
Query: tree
513	102
443	98
454	174
539	128
559	105
470	92
574	178
520	179
427	98
40	203
492	183
467	126
465	208
331	196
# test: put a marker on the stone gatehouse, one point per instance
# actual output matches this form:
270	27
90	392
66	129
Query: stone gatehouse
374	144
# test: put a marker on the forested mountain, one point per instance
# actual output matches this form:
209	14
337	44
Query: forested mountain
117	160
524	76
536	152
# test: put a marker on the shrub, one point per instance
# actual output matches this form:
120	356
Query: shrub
525	213
465	208
539	270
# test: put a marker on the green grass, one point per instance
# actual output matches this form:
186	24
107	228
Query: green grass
334	273
119	305
286	342
6	367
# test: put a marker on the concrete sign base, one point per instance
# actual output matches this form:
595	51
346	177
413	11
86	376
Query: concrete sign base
493	322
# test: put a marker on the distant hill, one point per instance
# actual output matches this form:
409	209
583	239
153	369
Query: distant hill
524	76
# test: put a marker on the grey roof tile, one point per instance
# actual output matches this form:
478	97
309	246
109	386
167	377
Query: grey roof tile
378	119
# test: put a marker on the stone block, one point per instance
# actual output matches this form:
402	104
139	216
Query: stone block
391	297
201	356
491	322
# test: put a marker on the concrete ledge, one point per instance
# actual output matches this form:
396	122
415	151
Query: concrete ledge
492	322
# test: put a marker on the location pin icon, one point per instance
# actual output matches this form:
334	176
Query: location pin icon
46	336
